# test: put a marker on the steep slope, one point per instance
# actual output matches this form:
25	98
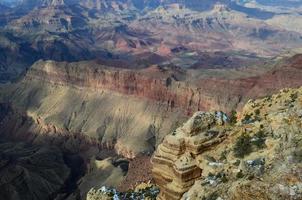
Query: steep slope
31	172
112	105
74	105
35	151
259	157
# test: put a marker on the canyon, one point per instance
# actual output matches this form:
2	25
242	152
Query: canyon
87	109
157	99
111	104
136	34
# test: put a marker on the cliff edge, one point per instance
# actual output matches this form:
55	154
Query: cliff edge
257	155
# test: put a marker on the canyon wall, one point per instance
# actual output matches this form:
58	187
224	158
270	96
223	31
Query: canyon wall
113	104
171	85
16	125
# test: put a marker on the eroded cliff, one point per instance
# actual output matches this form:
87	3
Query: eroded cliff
113	104
257	157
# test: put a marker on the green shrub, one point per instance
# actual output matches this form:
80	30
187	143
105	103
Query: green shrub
211	174
168	82
212	196
224	179
260	140
243	146
223	155
293	97
210	158
298	155
233	117
247	119
237	163
239	175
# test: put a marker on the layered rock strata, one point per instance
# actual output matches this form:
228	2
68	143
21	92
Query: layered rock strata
257	157
173	86
175	168
18	126
113	104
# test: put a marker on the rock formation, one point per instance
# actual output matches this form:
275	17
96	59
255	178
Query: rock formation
112	104
259	157
172	85
146	191
178	32
175	168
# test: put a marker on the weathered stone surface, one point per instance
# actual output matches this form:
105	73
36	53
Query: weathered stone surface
259	157
174	86
175	167
112	104
146	191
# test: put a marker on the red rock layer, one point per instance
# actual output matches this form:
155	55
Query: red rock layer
171	85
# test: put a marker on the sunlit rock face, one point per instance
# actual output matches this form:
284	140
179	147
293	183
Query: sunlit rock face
175	167
256	157
109	105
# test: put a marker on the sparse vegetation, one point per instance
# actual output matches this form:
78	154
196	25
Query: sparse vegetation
243	146
293	97
247	119
259	140
239	174
233	117
211	174
237	163
223	155
298	155
212	196
222	177
210	158
168	82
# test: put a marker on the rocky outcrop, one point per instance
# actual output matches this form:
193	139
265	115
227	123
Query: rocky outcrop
259	157
175	168
146	191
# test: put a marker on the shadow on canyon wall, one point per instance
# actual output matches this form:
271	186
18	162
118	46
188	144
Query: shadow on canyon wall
23	141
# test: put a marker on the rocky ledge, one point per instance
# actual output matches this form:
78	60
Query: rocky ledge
175	167
256	155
